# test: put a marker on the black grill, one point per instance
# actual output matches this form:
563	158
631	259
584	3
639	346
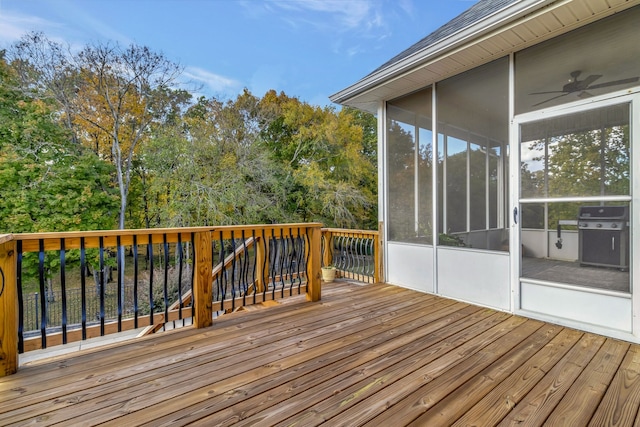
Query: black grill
604	236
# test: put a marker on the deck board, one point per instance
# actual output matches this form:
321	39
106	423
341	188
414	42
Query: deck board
364	355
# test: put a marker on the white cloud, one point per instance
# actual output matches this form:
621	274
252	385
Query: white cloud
86	25
347	25
407	6
349	14
76	31
325	15
13	25
215	83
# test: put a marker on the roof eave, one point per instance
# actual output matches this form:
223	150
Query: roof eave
467	35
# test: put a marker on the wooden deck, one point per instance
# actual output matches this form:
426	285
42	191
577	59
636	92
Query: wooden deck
365	355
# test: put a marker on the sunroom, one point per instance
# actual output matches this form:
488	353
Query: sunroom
507	145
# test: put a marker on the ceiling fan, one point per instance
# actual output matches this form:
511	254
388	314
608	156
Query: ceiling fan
582	86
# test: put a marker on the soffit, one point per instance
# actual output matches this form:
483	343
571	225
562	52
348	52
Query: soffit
519	26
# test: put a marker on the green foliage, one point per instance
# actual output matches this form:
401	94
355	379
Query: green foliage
48	184
587	163
326	158
266	160
85	145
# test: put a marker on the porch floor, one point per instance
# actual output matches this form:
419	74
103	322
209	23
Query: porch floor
366	354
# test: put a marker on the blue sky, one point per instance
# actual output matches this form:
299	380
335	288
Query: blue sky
307	48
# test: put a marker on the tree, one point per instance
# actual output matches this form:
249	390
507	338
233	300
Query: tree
46	71
585	163
48	182
242	160
211	168
401	169
108	96
121	93
324	168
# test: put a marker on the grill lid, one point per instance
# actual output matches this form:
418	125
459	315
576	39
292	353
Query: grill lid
603	212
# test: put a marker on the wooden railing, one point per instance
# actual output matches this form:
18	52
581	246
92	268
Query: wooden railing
146	277
356	254
57	288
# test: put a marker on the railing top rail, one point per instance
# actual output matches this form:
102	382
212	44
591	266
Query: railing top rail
156	231
349	231
6	238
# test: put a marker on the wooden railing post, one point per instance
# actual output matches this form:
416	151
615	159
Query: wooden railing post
314	267
203	281
378	275
8	309
262	263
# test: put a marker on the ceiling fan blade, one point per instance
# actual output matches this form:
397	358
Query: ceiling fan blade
592	78
584	94
546	93
550	99
614	83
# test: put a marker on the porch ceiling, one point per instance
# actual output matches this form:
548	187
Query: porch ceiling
514	28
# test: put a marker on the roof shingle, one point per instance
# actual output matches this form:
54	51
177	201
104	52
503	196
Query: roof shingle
475	13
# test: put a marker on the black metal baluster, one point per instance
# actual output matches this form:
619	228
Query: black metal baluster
273	263
180	260
165	246
243	262
102	285
336	251
120	264
295	260
356	260
242	257
300	259
291	260
63	289
282	258
21	311
43	302
135	281
244	268
370	257
150	252
233	271
255	264
193	271
344	253
246	262
222	275
83	287
265	264
365	258
364	244
349	254
352	254
360	266
307	243
286	261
